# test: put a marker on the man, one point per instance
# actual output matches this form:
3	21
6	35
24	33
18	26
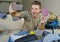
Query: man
34	18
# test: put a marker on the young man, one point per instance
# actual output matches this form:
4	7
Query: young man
34	18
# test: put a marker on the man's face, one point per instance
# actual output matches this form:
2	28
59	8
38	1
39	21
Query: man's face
35	9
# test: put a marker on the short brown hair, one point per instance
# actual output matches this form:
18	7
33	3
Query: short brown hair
36	3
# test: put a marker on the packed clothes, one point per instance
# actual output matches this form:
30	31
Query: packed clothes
52	22
27	36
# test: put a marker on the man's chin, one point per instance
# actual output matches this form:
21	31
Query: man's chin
34	16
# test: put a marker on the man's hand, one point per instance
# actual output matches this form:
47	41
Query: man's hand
41	25
43	20
10	8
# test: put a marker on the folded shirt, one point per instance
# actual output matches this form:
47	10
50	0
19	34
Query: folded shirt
3	15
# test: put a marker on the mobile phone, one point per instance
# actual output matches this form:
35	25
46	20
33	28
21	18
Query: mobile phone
17	7
44	12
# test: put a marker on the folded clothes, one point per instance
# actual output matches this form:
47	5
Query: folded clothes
27	38
24	36
3	15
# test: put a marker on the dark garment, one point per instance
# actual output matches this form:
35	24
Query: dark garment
24	32
52	24
3	15
27	38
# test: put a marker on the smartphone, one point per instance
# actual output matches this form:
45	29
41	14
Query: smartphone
44	12
17	7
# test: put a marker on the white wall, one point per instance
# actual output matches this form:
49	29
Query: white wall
52	5
26	4
4	6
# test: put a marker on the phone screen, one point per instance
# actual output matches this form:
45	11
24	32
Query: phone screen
17	7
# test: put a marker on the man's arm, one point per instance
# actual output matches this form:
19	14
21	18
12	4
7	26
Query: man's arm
41	25
25	15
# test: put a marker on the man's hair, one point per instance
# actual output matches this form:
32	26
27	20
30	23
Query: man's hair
36	3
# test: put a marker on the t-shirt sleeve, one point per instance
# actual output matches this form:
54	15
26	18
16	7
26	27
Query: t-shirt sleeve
25	15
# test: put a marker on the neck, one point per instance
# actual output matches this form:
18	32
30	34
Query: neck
35	17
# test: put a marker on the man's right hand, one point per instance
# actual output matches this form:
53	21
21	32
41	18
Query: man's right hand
10	8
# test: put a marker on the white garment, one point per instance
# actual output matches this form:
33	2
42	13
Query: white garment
51	37
14	37
8	23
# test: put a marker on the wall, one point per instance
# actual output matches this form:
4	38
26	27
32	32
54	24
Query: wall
26	4
4	6
52	5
